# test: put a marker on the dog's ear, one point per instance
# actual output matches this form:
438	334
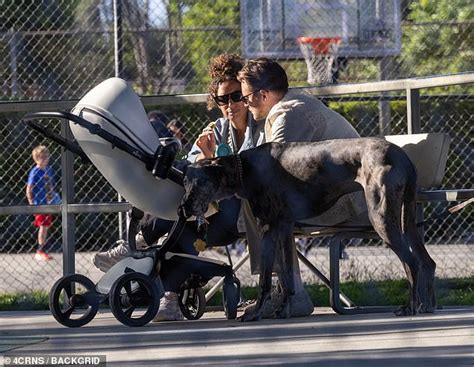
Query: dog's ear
204	169
214	170
211	164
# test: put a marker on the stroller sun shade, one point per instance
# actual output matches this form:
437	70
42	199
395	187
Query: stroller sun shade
117	109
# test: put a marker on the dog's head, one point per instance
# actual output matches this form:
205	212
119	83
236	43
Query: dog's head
204	182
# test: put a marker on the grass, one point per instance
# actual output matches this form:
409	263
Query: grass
36	300
449	292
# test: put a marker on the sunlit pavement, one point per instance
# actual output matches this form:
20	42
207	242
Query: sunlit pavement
445	338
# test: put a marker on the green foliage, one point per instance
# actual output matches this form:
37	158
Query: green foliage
437	38
360	70
438	48
45	64
449	292
356	111
204	45
461	294
297	72
36	15
36	300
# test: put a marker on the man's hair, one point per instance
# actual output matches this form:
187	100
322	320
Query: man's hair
263	73
222	68
37	151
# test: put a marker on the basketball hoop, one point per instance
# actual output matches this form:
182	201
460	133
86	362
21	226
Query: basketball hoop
320	55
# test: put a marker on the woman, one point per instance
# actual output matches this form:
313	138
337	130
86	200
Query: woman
232	133
235	131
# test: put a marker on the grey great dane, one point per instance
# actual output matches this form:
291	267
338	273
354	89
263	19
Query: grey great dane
289	182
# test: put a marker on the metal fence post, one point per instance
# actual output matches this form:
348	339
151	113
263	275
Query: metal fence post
67	218
413	111
384	105
118	63
118	39
13	44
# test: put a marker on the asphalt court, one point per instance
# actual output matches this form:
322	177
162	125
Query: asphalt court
445	338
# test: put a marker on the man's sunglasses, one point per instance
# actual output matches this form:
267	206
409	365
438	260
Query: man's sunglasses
246	98
224	99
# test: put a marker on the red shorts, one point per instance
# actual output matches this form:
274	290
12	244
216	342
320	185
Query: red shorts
43	220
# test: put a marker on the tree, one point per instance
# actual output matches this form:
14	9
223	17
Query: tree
221	18
440	39
29	27
136	16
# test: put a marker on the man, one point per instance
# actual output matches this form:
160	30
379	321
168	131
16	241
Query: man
294	116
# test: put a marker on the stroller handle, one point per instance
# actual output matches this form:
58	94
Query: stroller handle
72	147
149	160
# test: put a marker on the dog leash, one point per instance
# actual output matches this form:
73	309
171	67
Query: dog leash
232	150
240	173
455	209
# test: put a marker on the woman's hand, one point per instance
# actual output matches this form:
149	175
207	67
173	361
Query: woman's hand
206	141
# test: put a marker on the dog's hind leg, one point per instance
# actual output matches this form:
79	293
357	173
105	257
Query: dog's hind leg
267	257
426	291
285	257
384	203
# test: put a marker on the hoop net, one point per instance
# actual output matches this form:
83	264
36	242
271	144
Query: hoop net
320	55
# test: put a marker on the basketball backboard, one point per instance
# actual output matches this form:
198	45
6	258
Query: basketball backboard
368	28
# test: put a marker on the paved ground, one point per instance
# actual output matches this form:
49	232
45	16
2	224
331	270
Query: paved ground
445	338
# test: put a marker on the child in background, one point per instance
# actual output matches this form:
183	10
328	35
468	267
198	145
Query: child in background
40	191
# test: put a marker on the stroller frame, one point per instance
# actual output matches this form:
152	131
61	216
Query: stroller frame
135	282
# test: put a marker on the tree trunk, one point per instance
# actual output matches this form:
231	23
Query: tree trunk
137	19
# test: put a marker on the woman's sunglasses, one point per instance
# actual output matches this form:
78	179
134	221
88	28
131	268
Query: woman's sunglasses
224	99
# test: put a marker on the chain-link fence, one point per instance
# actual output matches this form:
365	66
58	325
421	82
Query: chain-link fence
60	49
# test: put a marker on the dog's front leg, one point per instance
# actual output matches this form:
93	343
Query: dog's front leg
267	256
285	254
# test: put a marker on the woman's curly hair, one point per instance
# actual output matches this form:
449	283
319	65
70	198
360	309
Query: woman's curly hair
221	68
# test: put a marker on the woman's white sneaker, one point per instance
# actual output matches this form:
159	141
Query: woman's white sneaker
169	308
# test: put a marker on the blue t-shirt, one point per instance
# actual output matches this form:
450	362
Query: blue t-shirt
43	185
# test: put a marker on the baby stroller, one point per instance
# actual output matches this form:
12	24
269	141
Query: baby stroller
112	131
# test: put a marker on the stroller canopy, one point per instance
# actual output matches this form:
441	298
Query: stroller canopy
117	109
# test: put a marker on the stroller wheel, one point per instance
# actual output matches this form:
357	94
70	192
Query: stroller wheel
134	299
192	302
231	297
73	300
